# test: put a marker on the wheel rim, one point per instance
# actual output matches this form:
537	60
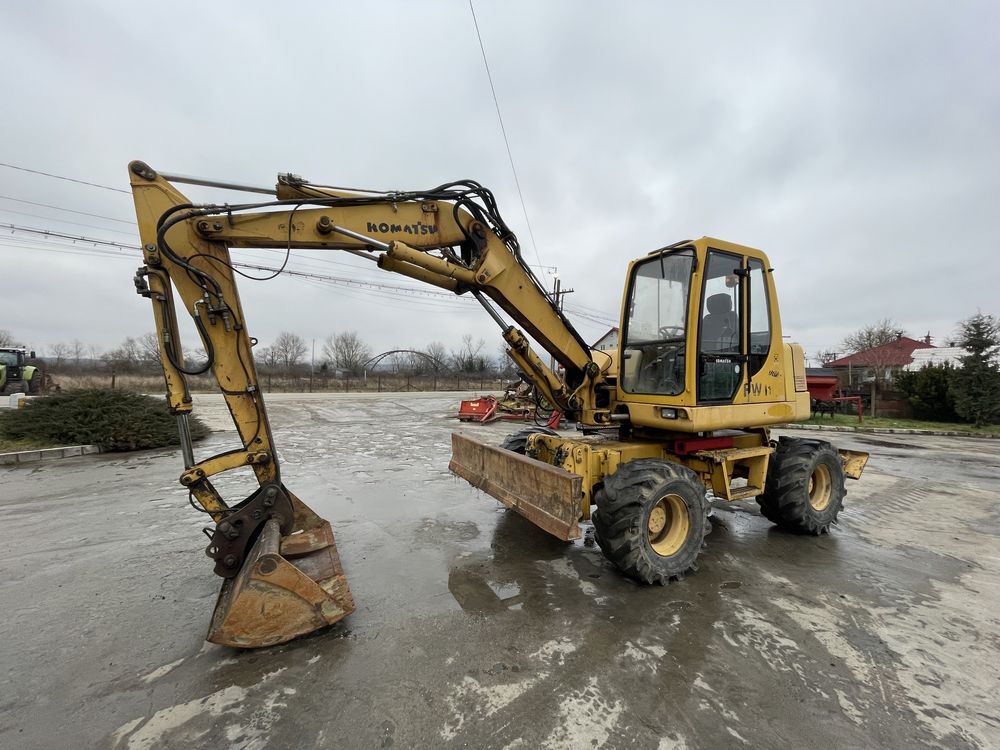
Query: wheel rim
820	487
667	525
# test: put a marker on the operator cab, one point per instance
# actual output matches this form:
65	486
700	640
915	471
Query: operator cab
14	359
698	323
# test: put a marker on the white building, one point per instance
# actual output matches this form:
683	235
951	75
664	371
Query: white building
608	341
936	356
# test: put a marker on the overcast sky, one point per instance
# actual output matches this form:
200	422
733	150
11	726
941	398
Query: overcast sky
857	143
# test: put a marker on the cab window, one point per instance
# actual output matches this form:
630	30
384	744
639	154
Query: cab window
720	365
760	317
655	336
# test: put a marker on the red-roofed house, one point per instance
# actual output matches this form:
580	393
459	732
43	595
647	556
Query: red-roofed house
881	362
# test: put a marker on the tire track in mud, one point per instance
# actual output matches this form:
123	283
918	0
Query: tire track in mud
923	561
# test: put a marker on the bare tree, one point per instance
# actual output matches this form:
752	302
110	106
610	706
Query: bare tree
195	358
94	353
126	356
504	364
266	356
877	334
61	352
469	357
77	350
346	351
415	364
437	351
400	362
868	340
289	349
6	337
150	347
826	356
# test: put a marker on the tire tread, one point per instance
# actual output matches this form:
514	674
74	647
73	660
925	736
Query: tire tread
518	441
785	500
618	527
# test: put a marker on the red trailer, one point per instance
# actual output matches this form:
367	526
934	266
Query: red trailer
824	388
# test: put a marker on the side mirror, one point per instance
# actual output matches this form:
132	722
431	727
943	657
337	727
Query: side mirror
32	354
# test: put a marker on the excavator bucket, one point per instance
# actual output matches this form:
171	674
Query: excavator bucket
548	496
288	586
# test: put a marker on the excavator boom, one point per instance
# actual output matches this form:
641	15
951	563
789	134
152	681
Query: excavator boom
282	573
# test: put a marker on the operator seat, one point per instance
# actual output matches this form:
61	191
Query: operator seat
719	329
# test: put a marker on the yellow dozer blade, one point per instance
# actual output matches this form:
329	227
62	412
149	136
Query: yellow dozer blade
288	585
854	462
548	496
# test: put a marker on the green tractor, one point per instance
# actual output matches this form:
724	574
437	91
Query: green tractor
16	375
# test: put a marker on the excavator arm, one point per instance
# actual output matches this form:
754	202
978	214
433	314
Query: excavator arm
282	573
444	237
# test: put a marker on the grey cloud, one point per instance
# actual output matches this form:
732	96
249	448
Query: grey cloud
857	144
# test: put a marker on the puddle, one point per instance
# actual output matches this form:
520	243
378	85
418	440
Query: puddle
889	444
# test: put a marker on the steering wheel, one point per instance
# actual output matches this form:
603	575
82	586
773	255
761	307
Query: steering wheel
671	332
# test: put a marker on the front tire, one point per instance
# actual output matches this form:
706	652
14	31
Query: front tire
518	441
805	486
17	386
651	520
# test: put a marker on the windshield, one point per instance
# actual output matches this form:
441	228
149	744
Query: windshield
8	358
656	328
658	309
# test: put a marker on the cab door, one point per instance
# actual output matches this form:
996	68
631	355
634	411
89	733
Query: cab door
739	338
721	333
764	382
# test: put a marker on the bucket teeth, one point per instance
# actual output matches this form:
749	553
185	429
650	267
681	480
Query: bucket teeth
288	586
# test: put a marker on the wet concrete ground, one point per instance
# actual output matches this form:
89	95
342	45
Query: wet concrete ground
474	629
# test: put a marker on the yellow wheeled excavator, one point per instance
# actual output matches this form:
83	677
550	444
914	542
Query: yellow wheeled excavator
681	410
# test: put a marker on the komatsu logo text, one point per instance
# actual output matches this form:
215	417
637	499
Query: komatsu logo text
418	228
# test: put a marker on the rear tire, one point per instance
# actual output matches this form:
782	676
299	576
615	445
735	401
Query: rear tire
18	386
518	441
805	486
651	520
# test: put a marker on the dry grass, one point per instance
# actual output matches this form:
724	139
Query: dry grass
8	445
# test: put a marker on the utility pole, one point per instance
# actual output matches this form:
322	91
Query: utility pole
558	294
312	365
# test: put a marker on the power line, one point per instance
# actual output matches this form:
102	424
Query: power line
66	221
52	247
372	286
302	260
67	179
600	320
503	130
375	285
68	210
64	236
